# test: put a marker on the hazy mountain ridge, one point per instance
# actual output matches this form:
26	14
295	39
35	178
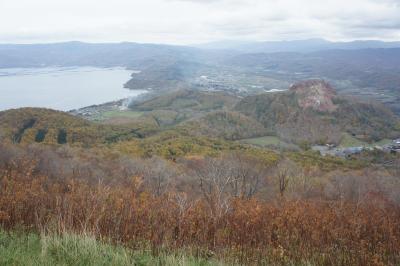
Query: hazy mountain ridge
86	54
308	45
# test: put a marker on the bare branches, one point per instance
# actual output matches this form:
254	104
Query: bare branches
231	176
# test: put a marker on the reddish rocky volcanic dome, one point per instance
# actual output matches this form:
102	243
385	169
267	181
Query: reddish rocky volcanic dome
315	94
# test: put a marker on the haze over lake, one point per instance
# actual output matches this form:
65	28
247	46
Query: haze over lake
62	88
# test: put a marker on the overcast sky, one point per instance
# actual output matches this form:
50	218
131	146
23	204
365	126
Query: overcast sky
196	21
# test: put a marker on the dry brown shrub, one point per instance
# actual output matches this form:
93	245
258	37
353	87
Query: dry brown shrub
250	232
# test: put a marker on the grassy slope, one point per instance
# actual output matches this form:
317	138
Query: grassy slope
350	141
270	141
69	249
119	114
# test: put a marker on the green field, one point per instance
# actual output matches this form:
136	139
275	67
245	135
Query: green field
70	249
120	114
350	141
269	141
116	114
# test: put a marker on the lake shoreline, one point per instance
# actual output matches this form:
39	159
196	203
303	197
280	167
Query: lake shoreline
63	88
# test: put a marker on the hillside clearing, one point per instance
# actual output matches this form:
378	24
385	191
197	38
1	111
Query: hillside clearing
269	141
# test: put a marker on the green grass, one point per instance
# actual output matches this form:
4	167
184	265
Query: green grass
70	249
383	142
120	113
269	141
262	141
350	141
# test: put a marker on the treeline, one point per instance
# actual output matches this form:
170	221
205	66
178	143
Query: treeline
235	207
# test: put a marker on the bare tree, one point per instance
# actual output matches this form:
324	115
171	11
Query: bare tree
158	174
221	179
214	181
247	173
285	172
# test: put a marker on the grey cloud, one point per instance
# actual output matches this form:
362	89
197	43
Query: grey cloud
191	21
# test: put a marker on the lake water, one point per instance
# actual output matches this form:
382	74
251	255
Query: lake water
62	88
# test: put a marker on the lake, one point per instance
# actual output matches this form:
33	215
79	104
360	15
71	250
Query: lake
62	88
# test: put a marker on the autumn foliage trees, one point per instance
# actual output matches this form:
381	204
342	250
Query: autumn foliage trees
221	210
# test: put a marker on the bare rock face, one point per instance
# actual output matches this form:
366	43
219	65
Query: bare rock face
315	94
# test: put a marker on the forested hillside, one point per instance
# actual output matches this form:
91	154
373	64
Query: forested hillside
29	125
312	112
175	179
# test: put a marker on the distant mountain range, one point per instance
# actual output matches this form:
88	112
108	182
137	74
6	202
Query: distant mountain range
87	54
360	68
136	54
310	45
